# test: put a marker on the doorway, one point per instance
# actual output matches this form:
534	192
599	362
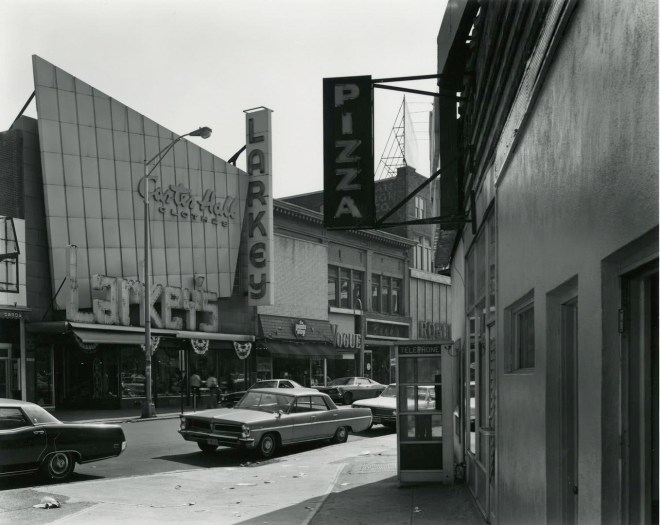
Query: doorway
640	394
368	362
568	419
9	373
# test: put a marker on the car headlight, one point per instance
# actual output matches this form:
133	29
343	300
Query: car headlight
183	424
245	431
394	412
123	446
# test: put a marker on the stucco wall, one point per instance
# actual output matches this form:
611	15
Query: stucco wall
301	279
582	182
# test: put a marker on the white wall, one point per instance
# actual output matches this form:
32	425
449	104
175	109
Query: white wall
582	182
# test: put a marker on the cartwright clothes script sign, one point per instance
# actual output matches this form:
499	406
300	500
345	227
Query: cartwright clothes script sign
178	200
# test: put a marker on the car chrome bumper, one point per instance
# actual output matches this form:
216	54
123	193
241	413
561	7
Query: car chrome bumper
223	441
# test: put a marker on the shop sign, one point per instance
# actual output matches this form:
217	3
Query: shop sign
417	349
10	314
398	331
430	330
300	329
348	152
260	244
346	340
177	200
170	307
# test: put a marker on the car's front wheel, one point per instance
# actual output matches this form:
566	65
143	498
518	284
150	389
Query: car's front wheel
341	435
267	446
206	448
58	466
348	398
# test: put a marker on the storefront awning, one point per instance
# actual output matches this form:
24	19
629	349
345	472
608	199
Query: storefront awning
109	334
294	350
99	337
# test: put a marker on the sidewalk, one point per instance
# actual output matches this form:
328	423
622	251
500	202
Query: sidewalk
114	415
117	415
353	483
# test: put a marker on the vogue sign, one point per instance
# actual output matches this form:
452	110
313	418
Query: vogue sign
348	152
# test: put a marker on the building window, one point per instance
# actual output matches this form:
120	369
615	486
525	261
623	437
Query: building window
332	286
423	256
524	337
520	331
375	293
345	287
356	289
419	208
8	256
385	294
395	293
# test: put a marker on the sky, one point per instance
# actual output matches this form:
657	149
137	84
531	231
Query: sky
186	64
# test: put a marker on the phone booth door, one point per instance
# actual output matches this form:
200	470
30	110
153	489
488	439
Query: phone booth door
424	412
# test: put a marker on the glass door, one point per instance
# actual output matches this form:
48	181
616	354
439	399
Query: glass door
4	378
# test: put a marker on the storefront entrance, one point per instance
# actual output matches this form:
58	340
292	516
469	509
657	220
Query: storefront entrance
9	374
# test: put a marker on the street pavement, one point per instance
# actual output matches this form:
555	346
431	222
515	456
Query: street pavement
353	483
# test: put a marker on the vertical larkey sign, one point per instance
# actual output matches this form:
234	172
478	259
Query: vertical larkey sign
348	153
259	207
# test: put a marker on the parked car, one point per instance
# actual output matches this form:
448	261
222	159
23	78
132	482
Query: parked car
32	439
231	398
348	389
384	407
267	418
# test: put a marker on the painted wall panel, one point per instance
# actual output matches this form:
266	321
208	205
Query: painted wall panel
88	141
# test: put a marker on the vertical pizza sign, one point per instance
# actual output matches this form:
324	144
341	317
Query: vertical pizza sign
348	153
259	207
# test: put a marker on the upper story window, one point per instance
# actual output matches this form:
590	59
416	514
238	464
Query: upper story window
8	256
423	257
420	213
385	294
520	334
345	287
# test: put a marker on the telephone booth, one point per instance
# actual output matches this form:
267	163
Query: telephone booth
424	412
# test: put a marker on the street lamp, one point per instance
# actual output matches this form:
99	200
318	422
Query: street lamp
148	409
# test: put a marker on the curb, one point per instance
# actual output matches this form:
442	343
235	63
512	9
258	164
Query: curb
126	419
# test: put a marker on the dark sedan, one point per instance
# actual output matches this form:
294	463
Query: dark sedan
31	440
230	399
348	389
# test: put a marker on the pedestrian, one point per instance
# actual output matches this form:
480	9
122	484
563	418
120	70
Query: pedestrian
212	385
195	384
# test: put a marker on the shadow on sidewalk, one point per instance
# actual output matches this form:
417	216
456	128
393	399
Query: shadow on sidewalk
382	502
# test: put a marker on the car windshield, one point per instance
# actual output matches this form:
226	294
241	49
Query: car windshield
265	384
340	381
389	391
38	415
265	401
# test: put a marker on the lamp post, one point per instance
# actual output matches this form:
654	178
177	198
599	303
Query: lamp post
148	409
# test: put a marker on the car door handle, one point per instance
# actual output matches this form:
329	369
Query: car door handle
313	418
39	432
